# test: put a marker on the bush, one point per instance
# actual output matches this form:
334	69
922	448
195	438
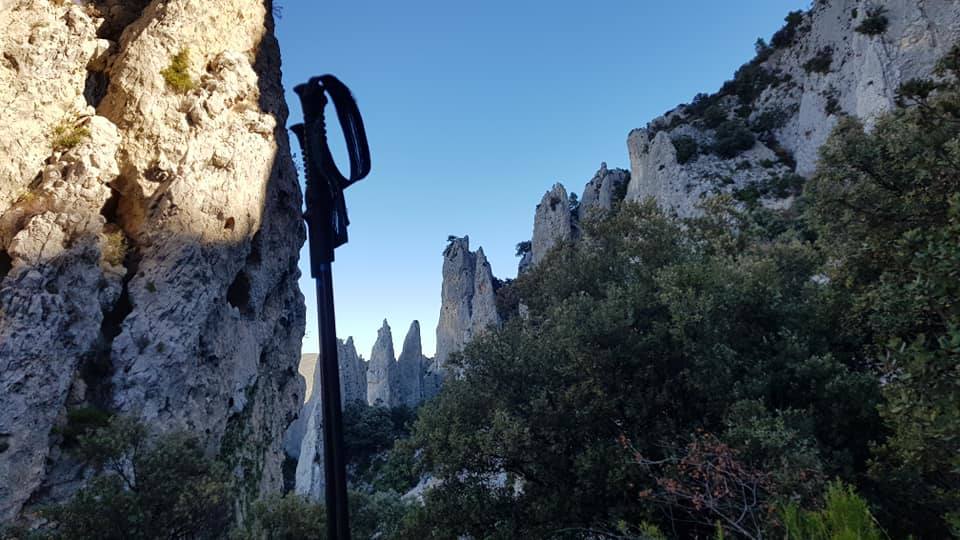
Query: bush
769	120
732	138
821	62
114	247
166	488
875	23
785	36
67	135
686	147
845	515
177	74
287	517
714	115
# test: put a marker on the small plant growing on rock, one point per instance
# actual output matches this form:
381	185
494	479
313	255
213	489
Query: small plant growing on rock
821	62
68	134
875	23
177	74
732	138
686	147
114	247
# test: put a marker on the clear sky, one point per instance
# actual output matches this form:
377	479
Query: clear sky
474	109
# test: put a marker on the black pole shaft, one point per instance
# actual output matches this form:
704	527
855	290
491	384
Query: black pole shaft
335	460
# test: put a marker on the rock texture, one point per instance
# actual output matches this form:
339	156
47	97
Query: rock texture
304	438
825	69
468	305
148	238
383	376
605	188
410	369
552	223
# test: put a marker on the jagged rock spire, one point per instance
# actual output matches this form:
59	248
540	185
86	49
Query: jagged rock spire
468	304
603	189
411	367
382	376
552	223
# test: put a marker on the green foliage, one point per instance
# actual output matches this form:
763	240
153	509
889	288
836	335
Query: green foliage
80	421
875	23
370	430
177	73
885	205
786	35
686	147
114	246
821	62
845	516
648	329
164	488
732	138
287	517
769	120
67	135
523	248
714	115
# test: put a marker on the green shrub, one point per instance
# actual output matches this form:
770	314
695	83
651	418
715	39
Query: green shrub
785	36
67	135
821	62
80	421
769	120
875	23
845	516
164	488
714	115
287	517
732	138
177	74
686	147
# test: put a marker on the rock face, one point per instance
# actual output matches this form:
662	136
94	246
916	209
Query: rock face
383	376
791	96
304	439
605	188
148	236
468	305
411	367
552	223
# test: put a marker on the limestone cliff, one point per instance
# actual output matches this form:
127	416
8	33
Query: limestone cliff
304	439
149	234
383	385
468	305
552	223
411	367
764	128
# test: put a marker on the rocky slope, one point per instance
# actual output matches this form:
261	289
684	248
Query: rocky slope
842	57
149	234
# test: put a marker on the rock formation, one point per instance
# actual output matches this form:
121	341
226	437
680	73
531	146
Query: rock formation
383	373
821	66
411	367
149	235
468	305
605	188
552	223
304	439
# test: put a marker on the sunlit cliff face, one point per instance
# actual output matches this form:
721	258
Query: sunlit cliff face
149	233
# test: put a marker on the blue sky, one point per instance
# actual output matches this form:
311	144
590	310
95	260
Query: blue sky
474	109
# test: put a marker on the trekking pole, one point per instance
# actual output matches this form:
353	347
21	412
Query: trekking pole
326	218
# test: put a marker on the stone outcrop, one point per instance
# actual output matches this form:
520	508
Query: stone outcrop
605	188
552	223
411	368
468	305
383	375
148	236
304	439
791	96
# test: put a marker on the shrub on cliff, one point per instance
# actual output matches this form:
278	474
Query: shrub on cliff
145	488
